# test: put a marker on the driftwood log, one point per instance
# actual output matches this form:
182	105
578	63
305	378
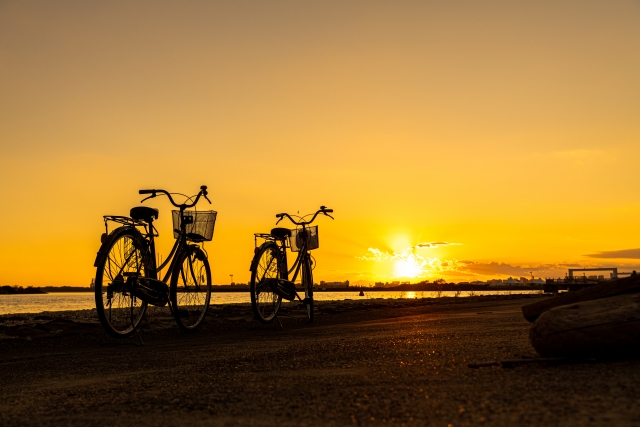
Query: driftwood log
608	327
604	290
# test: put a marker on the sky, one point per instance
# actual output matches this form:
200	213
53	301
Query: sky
463	140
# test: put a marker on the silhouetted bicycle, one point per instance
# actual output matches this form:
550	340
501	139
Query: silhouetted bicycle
270	272
127	277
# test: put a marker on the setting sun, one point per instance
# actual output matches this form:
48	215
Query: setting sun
408	267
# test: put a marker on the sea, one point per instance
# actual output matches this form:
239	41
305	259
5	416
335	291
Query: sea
65	301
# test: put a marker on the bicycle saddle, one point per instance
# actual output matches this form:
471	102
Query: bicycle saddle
280	232
143	213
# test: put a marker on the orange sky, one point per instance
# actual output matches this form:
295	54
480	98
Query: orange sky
509	128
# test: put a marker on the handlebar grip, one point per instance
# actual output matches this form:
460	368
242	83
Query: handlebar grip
146	191
280	215
328	210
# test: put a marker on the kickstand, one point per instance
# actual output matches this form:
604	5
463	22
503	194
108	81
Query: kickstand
125	340
258	323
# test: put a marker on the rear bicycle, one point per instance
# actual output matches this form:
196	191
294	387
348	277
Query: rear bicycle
269	271
190	288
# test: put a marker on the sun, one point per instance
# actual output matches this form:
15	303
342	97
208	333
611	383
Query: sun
408	267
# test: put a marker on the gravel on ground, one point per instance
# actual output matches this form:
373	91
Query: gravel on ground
362	363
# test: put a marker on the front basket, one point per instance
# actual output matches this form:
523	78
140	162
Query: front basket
199	224
297	239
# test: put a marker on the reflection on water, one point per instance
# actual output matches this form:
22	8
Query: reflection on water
36	303
330	296
62	301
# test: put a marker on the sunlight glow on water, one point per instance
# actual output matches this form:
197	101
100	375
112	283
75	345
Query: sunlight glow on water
63	301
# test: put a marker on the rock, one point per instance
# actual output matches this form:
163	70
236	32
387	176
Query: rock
603	290
604	327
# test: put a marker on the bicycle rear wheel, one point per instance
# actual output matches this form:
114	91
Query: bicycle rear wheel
266	269
307	284
190	291
117	272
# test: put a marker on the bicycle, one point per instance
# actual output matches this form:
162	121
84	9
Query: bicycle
127	275
270	272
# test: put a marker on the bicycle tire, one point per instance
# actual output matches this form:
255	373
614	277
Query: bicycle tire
267	265
119	310
190	291
307	283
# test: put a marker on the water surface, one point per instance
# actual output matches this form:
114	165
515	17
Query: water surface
63	301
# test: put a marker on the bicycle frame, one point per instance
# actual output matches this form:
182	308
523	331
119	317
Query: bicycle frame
179	245
282	246
150	233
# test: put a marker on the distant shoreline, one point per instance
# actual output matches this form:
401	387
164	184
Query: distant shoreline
423	287
30	290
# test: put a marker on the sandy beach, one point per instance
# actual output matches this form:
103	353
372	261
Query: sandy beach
374	362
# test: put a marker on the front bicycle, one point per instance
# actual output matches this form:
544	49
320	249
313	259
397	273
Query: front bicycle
127	277
270	282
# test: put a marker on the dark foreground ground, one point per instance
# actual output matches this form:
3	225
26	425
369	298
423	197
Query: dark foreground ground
362	363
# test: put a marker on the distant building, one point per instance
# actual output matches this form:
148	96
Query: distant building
380	285
327	285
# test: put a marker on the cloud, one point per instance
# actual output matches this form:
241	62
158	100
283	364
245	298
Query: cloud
625	253
436	244
493	268
432	267
378	256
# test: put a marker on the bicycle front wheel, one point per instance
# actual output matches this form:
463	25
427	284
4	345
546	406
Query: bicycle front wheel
266	269
122	263
190	290
307	284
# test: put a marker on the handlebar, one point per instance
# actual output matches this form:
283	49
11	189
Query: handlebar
202	193
323	209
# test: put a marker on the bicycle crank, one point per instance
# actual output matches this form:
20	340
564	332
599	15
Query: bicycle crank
283	288
152	291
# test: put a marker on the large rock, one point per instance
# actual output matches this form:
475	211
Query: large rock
602	327
603	290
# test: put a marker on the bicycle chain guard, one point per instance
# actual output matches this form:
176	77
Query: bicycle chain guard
283	288
152	291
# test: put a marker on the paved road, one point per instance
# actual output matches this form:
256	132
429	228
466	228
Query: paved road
409	370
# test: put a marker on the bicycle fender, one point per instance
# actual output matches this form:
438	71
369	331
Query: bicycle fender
256	257
104	248
199	253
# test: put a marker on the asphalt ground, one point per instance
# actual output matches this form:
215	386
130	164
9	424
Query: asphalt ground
402	364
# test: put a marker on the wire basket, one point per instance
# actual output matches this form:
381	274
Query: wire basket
297	238
199	224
